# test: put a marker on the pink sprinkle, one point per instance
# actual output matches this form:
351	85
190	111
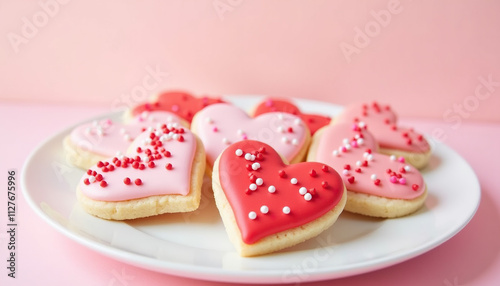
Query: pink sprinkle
354	144
343	149
269	103
402	181
245	137
175	108
394	179
401	159
215	129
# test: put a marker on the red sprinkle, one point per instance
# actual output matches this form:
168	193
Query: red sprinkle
103	184
312	191
376	182
324	184
89	172
351	179
290	130
139	150
358	170
347	166
98	177
324	168
312	173
365	163
169	166
127	181
402	170
142	167
253	178
151	164
388	171
100	164
282	173
86	181
181	138
415	187
135	165
259	157
138	182
262	150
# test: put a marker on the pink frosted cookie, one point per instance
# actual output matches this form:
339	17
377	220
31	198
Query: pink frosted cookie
382	122
272	205
313	121
220	125
90	143
378	185
162	173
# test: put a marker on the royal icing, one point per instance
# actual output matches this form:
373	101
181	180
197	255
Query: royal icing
220	125
273	196
351	150
382	123
313	121
181	103
160	164
106	137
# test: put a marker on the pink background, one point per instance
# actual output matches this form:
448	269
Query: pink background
427	59
432	62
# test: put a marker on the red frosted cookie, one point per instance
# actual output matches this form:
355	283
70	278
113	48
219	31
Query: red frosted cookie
392	139
181	103
313	121
377	185
162	173
267	205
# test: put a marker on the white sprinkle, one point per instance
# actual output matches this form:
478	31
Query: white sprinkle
95	123
357	136
271	189
248	156
302	190
255	166
307	197
373	177
280	116
239	132
281	129
340	148
119	153
284	139
365	154
209	120
169	125
169	118
293	181
225	140
369	157
149	129
252	158
347	146
127	137
360	141
361	124
151	118
100	132
239	152
175	124
393	157
176	136
91	179
252	215
345	172
345	141
286	210
407	168
88	130
359	163
252	187
335	153
145	159
259	181
295	141
297	121
158	133
264	209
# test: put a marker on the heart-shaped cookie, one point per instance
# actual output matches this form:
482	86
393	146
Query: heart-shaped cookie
90	143
181	103
220	125
382	122
162	173
267	205
313	121
378	185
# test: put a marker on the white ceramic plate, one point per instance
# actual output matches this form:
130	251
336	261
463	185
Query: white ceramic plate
195	244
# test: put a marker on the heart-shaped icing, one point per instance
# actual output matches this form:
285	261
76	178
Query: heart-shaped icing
107	138
181	103
268	196
313	121
382	122
220	125
159	163
352	151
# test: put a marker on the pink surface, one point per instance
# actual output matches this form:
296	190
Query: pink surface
472	257
436	59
